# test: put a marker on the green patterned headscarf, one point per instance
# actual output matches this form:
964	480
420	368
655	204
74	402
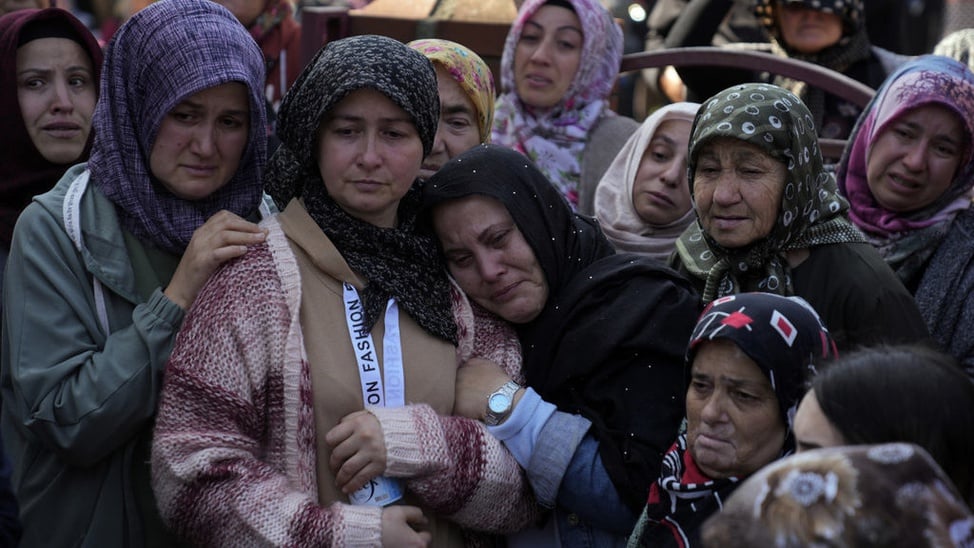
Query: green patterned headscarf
812	212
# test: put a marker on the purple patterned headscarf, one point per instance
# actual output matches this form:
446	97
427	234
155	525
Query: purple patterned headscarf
554	138
927	80
166	52
907	239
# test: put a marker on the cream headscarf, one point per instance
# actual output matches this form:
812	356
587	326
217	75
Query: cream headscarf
613	197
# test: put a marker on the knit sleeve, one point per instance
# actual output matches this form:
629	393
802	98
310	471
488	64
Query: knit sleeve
233	453
452	463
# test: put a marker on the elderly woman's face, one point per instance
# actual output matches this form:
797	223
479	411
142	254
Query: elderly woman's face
457	130
201	141
914	159
547	56
56	90
808	30
369	154
489	257
737	188
733	423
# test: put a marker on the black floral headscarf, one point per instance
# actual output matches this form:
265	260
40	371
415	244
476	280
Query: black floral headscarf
812	212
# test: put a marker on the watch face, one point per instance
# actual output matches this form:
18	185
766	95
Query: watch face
498	403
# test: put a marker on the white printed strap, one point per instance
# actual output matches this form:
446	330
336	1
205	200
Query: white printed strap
71	211
375	393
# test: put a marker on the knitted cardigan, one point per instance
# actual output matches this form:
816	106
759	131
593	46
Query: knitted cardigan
234	448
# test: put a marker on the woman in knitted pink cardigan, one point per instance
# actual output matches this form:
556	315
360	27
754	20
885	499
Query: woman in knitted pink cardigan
261	437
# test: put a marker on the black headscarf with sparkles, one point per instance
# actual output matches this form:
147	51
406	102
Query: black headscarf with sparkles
399	262
609	342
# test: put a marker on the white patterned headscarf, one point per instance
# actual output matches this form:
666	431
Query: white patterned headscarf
812	213
554	138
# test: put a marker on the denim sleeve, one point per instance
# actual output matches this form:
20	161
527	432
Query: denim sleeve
587	491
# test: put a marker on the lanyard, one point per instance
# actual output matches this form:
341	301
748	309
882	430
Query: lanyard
373	392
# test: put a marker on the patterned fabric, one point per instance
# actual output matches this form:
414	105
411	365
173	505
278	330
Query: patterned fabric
812	212
26	172
613	197
786	339
906	240
554	138
958	45
853	46
891	495
279	36
783	335
162	55
240	470
398	262
470	71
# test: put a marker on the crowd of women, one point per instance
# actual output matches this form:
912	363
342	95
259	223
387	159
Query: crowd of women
593	331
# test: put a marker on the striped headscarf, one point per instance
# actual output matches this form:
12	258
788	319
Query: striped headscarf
470	71
163	54
554	138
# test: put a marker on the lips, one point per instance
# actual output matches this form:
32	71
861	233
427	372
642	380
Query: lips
504	294
904	183
537	80
62	130
200	170
715	443
660	197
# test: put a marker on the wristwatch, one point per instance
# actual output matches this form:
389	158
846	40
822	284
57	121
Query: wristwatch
500	402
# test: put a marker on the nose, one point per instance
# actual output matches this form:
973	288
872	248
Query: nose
542	53
674	174
203	140
368	157
61	101
713	410
490	266
726	191
439	145
916	156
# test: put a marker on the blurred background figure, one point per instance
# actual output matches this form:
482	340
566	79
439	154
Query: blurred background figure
49	69
560	63
878	496
958	45
7	6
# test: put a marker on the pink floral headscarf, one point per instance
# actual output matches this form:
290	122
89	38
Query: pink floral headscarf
554	138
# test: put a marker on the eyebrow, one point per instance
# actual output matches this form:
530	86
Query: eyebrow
917	126
663	137
355	118
456	108
72	68
734	382
563	27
